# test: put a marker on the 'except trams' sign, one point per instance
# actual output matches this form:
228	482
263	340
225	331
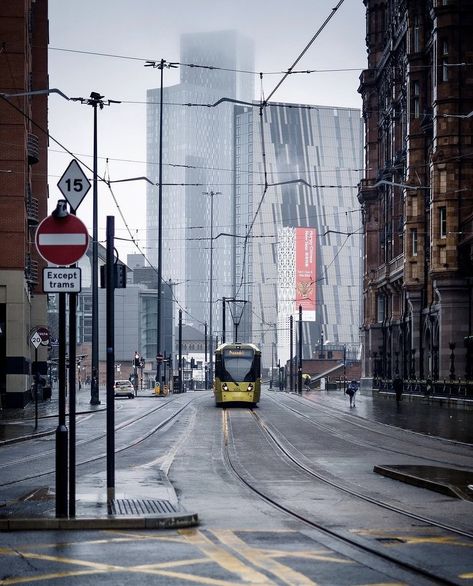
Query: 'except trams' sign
61	280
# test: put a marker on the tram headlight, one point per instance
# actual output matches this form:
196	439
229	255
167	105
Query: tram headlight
250	387
225	387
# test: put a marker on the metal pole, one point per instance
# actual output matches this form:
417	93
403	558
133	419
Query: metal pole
291	365
206	368
72	401
211	286
160	225
299	369
94	385
110	312
61	430
180	352
224	300
36	385
272	367
344	368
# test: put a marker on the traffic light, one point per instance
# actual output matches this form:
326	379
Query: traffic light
192	363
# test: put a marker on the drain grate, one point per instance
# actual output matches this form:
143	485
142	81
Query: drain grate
137	507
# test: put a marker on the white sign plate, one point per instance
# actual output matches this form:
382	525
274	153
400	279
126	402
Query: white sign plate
61	280
36	340
74	184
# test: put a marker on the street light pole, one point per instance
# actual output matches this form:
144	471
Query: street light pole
160	65
160	228
94	385
211	194
96	101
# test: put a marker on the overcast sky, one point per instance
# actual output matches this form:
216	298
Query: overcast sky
135	30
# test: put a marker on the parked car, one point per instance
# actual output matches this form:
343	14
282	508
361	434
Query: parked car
124	388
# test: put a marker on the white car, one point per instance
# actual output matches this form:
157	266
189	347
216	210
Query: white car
124	388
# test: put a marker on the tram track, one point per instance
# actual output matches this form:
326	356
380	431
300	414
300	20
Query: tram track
361	546
355	440
103	455
89	440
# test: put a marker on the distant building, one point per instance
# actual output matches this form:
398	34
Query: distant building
135	318
417	193
23	192
304	247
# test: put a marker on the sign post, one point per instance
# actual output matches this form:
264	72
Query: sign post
62	239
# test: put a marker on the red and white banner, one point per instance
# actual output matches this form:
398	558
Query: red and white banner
305	272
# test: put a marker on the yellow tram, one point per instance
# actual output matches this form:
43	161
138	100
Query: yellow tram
237	374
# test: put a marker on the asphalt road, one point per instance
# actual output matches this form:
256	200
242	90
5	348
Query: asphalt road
263	518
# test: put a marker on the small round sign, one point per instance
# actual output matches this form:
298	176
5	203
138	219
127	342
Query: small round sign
62	241
43	333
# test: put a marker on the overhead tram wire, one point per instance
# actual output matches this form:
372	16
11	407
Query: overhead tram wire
204	66
135	243
263	104
107	182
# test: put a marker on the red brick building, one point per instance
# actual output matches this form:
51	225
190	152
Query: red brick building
23	190
417	194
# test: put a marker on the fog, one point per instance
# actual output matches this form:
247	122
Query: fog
102	47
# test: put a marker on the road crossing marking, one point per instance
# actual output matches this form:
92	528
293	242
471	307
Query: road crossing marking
260	560
223	557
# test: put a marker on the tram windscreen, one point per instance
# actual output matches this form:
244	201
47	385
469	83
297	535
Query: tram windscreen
238	365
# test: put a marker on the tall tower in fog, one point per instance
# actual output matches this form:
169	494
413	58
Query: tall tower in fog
198	157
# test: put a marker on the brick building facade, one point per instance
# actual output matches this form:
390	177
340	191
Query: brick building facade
416	196
23	190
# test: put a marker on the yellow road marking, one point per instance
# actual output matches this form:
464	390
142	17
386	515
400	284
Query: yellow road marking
258	558
173	564
74	562
198	579
413	539
308	555
467	576
224	558
442	540
37	578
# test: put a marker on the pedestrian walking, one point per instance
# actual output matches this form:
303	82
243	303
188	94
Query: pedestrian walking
398	387
351	391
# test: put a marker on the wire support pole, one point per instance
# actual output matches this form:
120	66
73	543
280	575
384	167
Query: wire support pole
94	385
211	194
160	227
161	64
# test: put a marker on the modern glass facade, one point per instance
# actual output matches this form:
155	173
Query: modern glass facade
312	160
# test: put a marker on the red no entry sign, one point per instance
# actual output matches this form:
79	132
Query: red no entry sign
62	241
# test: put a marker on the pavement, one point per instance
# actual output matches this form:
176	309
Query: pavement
37	509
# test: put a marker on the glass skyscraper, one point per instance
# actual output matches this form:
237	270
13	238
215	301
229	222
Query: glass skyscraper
298	167
198	153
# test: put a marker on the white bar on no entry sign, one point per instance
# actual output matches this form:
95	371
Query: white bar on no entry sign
61	239
61	280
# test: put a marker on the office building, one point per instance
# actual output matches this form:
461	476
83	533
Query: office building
198	152
304	226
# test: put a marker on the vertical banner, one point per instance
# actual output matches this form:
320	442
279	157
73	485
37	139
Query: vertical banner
305	272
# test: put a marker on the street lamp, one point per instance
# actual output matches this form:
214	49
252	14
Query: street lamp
160	65
211	194
95	100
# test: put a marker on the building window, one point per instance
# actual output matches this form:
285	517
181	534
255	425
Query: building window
445	61
416	35
414	241
416	99
381	309
443	221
